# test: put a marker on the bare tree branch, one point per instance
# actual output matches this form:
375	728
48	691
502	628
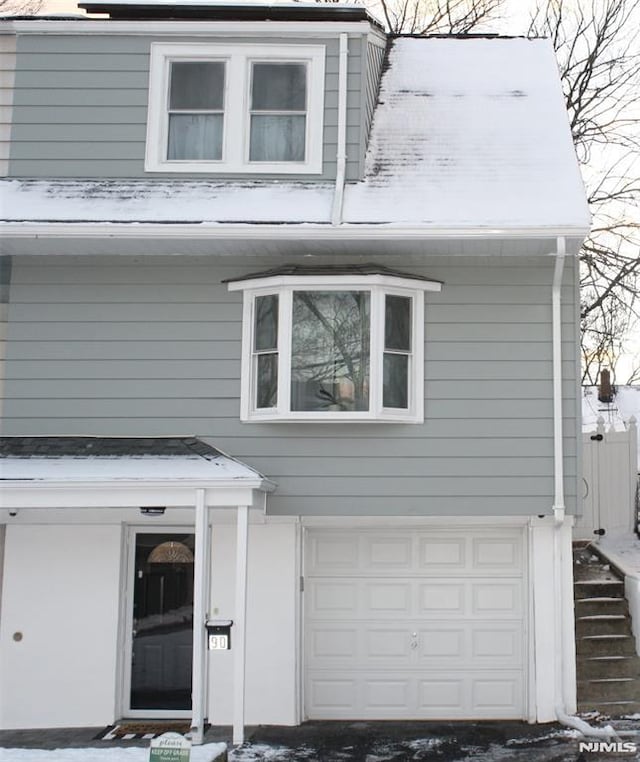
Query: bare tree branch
421	17
599	66
20	7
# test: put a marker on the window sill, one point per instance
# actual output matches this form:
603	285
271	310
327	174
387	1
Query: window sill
215	167
331	418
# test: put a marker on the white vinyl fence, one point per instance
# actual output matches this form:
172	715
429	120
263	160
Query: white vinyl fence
610	474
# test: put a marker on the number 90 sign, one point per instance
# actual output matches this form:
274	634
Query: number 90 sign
218	642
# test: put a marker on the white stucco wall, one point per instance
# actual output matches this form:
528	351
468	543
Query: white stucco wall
60	590
271	678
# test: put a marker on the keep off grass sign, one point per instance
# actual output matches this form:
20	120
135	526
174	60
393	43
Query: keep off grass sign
170	747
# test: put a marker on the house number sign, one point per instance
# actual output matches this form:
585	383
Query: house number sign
218	642
170	747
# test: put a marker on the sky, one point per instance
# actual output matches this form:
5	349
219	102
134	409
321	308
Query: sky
515	21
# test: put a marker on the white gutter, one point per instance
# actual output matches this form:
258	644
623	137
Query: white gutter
293	231
341	154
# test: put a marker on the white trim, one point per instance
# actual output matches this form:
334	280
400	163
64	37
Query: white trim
484	526
170	28
113	494
331	283
238	59
378	287
201	576
461	523
127	646
240	625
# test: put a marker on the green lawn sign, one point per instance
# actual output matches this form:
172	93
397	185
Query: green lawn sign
170	747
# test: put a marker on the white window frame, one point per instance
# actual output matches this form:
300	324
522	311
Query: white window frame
378	286
237	101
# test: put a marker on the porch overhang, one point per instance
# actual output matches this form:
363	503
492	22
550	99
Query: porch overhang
40	475
111	472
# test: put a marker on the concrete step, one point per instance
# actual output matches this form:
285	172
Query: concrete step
601	606
603	624
598	589
610	708
594	667
597	572
606	645
609	689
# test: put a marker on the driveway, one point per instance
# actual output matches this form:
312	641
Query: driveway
409	741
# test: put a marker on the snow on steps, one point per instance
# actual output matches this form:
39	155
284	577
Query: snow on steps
608	667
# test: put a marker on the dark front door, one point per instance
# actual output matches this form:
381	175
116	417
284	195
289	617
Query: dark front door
162	643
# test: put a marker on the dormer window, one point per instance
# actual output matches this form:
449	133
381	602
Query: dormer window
235	108
327	345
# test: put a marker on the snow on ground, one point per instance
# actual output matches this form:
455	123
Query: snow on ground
205	753
624	549
616	414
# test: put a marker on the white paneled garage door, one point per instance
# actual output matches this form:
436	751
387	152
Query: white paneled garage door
415	624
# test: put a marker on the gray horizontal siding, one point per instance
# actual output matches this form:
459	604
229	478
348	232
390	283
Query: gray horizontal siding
370	86
81	109
122	347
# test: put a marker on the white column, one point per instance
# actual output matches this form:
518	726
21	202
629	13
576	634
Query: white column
239	624
544	630
201	573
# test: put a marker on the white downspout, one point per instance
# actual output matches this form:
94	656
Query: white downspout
341	154
558	479
556	328
562	651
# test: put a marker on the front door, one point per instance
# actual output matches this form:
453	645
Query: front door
161	619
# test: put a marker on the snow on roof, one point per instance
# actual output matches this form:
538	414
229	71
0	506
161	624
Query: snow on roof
471	132
468	133
88	459
177	201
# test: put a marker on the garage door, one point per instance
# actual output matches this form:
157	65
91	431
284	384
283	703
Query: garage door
414	625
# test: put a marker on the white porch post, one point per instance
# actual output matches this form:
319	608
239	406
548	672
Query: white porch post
201	573
239	628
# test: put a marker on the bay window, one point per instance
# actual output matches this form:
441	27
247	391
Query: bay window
333	347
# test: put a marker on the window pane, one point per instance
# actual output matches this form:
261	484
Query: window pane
330	350
197	86
395	391
266	323
267	381
195	136
397	323
277	138
279	87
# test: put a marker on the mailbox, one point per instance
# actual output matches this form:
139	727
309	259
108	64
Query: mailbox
219	634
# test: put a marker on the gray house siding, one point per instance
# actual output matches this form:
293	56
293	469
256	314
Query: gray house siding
80	106
371	84
151	346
